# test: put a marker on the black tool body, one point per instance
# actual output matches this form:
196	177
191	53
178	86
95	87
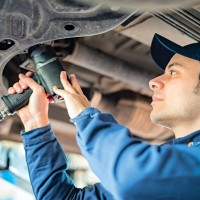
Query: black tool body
47	74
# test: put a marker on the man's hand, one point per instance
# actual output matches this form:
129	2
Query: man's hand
74	98
35	114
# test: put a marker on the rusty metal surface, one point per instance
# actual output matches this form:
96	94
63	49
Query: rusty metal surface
127	44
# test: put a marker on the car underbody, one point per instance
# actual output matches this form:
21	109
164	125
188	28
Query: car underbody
106	44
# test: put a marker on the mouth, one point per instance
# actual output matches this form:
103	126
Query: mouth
156	99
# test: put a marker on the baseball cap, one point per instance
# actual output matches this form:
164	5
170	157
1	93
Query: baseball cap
162	50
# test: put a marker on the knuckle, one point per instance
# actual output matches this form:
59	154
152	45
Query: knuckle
15	84
10	90
29	74
40	89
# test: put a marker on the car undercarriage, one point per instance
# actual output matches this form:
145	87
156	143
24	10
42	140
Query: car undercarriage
106	44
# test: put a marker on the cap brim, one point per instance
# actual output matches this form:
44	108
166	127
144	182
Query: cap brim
162	50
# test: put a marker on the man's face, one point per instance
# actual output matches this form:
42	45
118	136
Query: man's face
176	97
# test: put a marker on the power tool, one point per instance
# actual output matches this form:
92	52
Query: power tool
47	73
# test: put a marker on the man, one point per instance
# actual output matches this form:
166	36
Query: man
127	167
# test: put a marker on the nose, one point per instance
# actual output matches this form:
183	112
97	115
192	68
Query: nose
156	83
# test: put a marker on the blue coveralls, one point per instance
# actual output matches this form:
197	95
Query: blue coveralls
127	167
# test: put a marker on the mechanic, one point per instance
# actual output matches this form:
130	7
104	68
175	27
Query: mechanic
127	167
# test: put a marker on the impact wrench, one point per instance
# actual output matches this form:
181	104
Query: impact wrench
47	74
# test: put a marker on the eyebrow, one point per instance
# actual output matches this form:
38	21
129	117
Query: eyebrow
174	64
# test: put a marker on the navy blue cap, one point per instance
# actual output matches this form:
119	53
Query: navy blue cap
162	50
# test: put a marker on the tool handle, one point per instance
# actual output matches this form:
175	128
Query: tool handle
16	101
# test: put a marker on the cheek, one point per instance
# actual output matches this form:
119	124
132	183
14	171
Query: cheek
178	94
184	97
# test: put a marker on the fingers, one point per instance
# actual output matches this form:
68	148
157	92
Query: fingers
16	88
29	74
11	90
67	86
59	92
20	86
74	87
23	85
75	84
28	82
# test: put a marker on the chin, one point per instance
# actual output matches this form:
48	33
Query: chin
160	120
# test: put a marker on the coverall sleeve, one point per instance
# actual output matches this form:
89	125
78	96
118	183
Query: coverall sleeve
47	165
132	169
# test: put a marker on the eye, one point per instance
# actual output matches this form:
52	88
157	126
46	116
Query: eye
173	72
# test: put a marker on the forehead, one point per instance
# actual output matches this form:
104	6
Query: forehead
185	62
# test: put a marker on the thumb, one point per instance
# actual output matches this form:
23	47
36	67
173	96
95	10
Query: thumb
29	82
59	92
